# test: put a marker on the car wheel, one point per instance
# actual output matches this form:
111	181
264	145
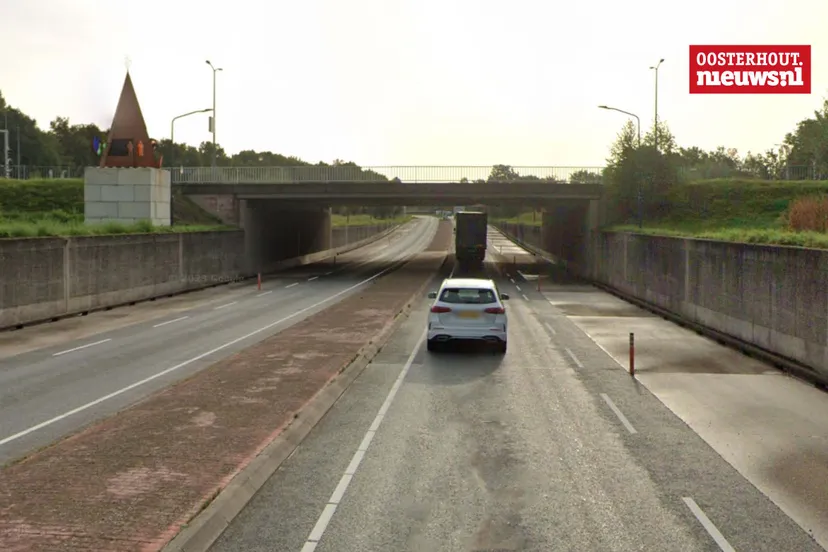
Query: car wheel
431	346
501	347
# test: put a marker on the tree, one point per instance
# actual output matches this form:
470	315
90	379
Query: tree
585	177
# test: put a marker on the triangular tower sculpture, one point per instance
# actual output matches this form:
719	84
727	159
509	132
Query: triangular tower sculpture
129	144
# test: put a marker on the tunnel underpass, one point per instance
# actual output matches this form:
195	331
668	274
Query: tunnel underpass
281	228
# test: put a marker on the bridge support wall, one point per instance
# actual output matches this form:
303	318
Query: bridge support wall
273	233
224	206
567	228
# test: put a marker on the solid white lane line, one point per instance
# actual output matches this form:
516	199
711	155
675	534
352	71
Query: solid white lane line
291	285
330	508
265	293
618	413
81	347
313	278
573	357
227	305
162	373
171	321
708	525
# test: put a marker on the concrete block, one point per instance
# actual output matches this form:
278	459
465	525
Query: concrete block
97	209
142	193
91	192
135	210
96	176
117	193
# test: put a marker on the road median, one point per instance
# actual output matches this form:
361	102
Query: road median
133	481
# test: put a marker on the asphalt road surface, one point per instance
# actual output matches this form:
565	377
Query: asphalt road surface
54	390
550	447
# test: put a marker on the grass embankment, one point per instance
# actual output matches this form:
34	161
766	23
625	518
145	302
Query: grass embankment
748	211
527	219
366	220
49	207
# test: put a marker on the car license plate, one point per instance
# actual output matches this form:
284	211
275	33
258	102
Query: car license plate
468	314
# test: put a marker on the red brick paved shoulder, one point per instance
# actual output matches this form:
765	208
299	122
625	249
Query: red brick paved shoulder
131	482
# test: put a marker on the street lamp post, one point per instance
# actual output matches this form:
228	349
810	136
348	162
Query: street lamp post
638	179
172	129
637	119
213	120
655	130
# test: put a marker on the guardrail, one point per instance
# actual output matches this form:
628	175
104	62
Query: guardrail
411	174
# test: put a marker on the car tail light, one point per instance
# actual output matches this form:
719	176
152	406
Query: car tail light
495	310
440	309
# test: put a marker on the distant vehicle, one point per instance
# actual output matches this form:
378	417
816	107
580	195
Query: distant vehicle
467	309
470	233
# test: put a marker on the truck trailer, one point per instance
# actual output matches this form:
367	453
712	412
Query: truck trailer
471	229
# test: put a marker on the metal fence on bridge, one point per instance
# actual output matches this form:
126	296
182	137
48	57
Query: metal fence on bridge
414	174
411	174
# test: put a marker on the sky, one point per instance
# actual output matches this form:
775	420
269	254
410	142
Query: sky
406	82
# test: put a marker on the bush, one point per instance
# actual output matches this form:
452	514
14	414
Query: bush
808	214
38	196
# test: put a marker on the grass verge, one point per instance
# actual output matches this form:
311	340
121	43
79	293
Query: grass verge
366	220
791	213
49	227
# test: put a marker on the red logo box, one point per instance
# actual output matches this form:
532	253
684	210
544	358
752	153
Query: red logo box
750	69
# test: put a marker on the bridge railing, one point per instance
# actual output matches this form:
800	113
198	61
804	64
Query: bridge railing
410	174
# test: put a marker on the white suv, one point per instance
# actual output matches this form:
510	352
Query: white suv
467	308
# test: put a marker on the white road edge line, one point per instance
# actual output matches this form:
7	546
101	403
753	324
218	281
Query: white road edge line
618	362
171	321
180	365
618	413
291	285
708	525
227	305
313	278
330	508
81	347
573	357
265	293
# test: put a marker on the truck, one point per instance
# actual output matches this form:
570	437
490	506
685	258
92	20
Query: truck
471	229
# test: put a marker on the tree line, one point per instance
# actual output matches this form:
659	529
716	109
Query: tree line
639	175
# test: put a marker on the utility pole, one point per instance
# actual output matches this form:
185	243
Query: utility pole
655	130
213	117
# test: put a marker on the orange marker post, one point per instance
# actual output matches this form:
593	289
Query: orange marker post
632	354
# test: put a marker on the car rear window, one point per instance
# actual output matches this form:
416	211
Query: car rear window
468	296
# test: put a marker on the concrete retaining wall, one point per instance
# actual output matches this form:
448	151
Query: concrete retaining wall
775	298
46	278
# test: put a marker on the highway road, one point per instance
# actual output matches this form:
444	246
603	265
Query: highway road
550	447
56	378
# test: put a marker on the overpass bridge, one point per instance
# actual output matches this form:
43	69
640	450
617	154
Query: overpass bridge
410	185
286	211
